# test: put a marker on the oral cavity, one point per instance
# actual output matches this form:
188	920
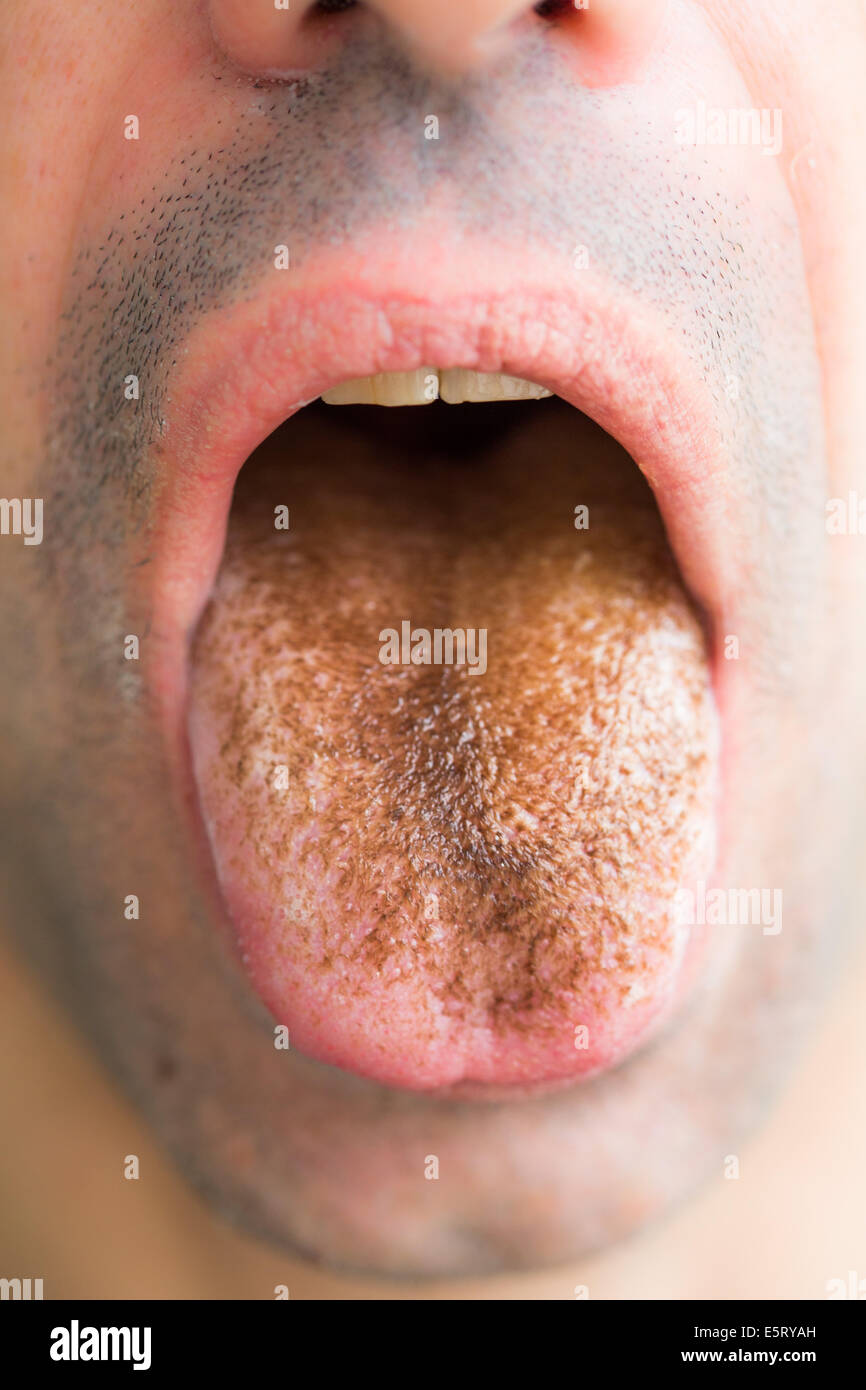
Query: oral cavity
438	874
428	384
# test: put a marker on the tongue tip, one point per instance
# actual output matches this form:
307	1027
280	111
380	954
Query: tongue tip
393	1041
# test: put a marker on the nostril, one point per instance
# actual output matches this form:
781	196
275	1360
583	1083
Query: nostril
279	38
606	43
563	17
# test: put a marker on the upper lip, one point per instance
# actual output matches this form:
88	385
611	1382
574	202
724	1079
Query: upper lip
248	368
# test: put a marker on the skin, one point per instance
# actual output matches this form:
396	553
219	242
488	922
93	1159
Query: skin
765	285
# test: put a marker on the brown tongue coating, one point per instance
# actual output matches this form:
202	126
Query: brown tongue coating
501	840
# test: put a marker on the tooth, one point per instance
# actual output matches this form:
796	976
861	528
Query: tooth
456	385
424	385
387	388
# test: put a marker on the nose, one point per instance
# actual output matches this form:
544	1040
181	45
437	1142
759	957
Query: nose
262	37
278	37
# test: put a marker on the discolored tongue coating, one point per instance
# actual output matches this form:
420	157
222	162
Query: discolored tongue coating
439	874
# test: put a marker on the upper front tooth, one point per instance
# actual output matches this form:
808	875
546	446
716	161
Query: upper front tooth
387	388
456	385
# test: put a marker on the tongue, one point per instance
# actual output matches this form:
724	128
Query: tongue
443	872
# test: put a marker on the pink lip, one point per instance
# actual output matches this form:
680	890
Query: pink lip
248	370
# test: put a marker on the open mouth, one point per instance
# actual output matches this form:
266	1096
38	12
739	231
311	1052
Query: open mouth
452	727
